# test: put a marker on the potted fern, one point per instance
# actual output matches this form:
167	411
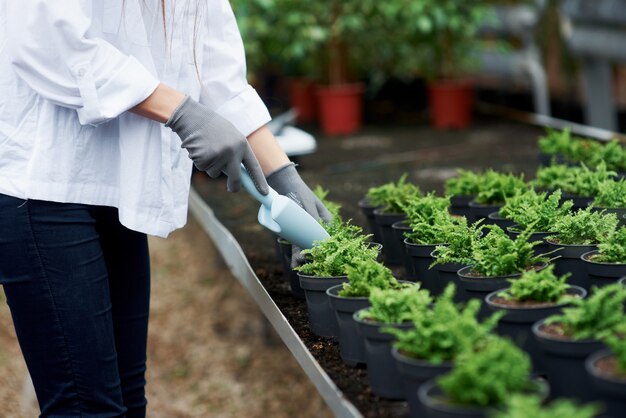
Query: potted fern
575	234
481	380
438	335
611	198
580	183
565	340
349	297
607	371
532	406
462	189
427	218
456	254
534	296
326	266
496	258
608	263
538	210
391	199
389	309
493	191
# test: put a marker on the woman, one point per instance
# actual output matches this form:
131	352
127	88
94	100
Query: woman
105	105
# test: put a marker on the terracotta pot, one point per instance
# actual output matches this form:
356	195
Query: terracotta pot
451	104
341	108
303	99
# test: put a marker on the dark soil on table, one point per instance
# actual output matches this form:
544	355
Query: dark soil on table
556	331
499	300
608	366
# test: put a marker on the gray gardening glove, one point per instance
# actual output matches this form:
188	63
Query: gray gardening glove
286	181
215	145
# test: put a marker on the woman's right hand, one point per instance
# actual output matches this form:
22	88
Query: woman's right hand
215	145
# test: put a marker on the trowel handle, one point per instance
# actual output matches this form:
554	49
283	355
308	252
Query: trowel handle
248	184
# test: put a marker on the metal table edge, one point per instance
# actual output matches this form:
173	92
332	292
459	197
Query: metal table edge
236	260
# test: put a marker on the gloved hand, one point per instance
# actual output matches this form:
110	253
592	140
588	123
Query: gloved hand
286	181
215	145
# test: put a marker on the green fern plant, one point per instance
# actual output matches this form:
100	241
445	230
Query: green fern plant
578	181
396	306
333	207
617	344
466	183
556	142
432	230
444	331
594	317
331	257
489	375
418	208
459	241
531	406
584	227
540	209
495	254
611	194
365	275
496	187
538	286
612	248
393	196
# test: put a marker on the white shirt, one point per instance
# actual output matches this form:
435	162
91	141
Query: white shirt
69	71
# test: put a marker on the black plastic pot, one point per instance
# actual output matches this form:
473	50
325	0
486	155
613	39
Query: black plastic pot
284	249
351	343
517	321
368	211
569	261
414	373
382	374
580	202
448	273
391	247
399	229
322	319
436	406
459	205
602	274
563	360
421	259
611	390
480	211
622	281
539	249
496	219
480	286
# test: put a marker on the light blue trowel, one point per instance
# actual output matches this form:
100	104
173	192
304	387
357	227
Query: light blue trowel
284	217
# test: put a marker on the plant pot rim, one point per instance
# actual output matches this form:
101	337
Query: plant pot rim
513	229
474	203
536	329
332	293
590	366
551	242
379	211
585	258
398	224
406	242
307	276
418	362
355	316
463	276
329	89
365	203
497	217
488	301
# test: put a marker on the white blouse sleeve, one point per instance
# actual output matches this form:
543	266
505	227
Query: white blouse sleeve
52	50
224	85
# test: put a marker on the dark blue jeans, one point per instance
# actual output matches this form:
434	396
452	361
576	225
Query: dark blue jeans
78	286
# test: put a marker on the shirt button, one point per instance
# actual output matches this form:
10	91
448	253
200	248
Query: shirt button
81	72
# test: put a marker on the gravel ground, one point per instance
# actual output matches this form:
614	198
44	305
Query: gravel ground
210	352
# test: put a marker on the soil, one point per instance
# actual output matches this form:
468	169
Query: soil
499	300
608	366
555	331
